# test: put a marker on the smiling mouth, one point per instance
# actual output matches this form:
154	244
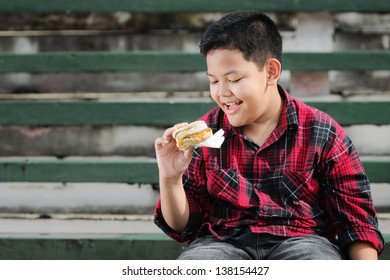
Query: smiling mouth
232	106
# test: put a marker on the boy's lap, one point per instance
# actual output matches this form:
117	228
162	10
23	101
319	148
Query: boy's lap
295	248
306	248
210	248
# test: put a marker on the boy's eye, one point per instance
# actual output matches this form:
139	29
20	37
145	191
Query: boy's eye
213	82
234	81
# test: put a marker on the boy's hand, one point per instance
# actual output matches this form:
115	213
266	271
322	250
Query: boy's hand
171	161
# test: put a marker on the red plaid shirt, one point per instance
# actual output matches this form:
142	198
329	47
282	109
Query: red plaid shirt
306	179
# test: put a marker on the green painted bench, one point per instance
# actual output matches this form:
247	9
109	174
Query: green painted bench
107	247
111	247
172	6
164	61
152	113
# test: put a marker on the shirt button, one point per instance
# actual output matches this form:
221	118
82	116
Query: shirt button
265	208
258	186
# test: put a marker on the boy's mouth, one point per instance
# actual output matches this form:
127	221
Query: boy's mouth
232	106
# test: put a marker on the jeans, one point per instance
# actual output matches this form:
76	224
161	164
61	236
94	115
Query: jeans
252	246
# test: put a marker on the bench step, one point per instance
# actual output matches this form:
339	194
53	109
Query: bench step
76	247
170	6
164	113
84	236
110	247
143	171
164	61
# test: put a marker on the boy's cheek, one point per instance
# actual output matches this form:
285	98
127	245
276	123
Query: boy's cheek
214	96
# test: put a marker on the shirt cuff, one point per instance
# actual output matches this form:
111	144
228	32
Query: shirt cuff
188	233
369	235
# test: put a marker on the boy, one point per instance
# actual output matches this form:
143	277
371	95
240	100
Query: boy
287	182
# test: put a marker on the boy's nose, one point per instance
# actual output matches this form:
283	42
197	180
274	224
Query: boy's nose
224	90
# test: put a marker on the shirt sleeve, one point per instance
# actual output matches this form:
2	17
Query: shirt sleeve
194	183
348	195
191	228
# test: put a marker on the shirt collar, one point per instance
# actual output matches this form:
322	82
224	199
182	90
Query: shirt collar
289	116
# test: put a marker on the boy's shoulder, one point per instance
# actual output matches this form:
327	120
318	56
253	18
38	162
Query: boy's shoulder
310	116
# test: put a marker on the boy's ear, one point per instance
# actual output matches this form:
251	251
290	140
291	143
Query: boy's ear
273	68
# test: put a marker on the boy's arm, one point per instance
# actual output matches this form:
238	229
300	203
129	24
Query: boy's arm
181	228
171	164
349	202
174	203
362	251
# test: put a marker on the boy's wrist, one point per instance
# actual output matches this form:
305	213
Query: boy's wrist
171	180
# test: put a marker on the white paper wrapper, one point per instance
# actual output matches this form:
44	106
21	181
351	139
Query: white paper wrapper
214	141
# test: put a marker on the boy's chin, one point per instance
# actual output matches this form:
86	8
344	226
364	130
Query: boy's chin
235	123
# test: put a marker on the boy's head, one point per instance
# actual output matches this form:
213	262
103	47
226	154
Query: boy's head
251	32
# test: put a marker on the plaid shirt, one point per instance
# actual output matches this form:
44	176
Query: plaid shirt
306	179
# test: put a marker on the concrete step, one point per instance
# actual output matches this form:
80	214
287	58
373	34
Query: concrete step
104	198
69	224
94	198
33	224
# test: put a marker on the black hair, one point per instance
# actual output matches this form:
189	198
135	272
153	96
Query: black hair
251	32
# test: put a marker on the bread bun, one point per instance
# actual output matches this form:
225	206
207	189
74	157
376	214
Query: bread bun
192	134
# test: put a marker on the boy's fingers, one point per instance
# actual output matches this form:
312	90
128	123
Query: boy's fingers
169	131
161	141
188	154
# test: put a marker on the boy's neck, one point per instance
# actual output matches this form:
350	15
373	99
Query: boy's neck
261	130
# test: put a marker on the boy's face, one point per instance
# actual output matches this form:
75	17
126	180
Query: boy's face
239	87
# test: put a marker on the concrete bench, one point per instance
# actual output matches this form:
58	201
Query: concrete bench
92	247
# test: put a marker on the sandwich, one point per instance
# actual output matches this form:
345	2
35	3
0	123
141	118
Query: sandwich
192	134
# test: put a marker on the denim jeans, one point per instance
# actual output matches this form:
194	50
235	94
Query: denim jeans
251	246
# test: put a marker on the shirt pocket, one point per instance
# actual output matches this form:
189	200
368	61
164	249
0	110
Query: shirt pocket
230	188
290	194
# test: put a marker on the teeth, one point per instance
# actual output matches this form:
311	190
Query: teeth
231	103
